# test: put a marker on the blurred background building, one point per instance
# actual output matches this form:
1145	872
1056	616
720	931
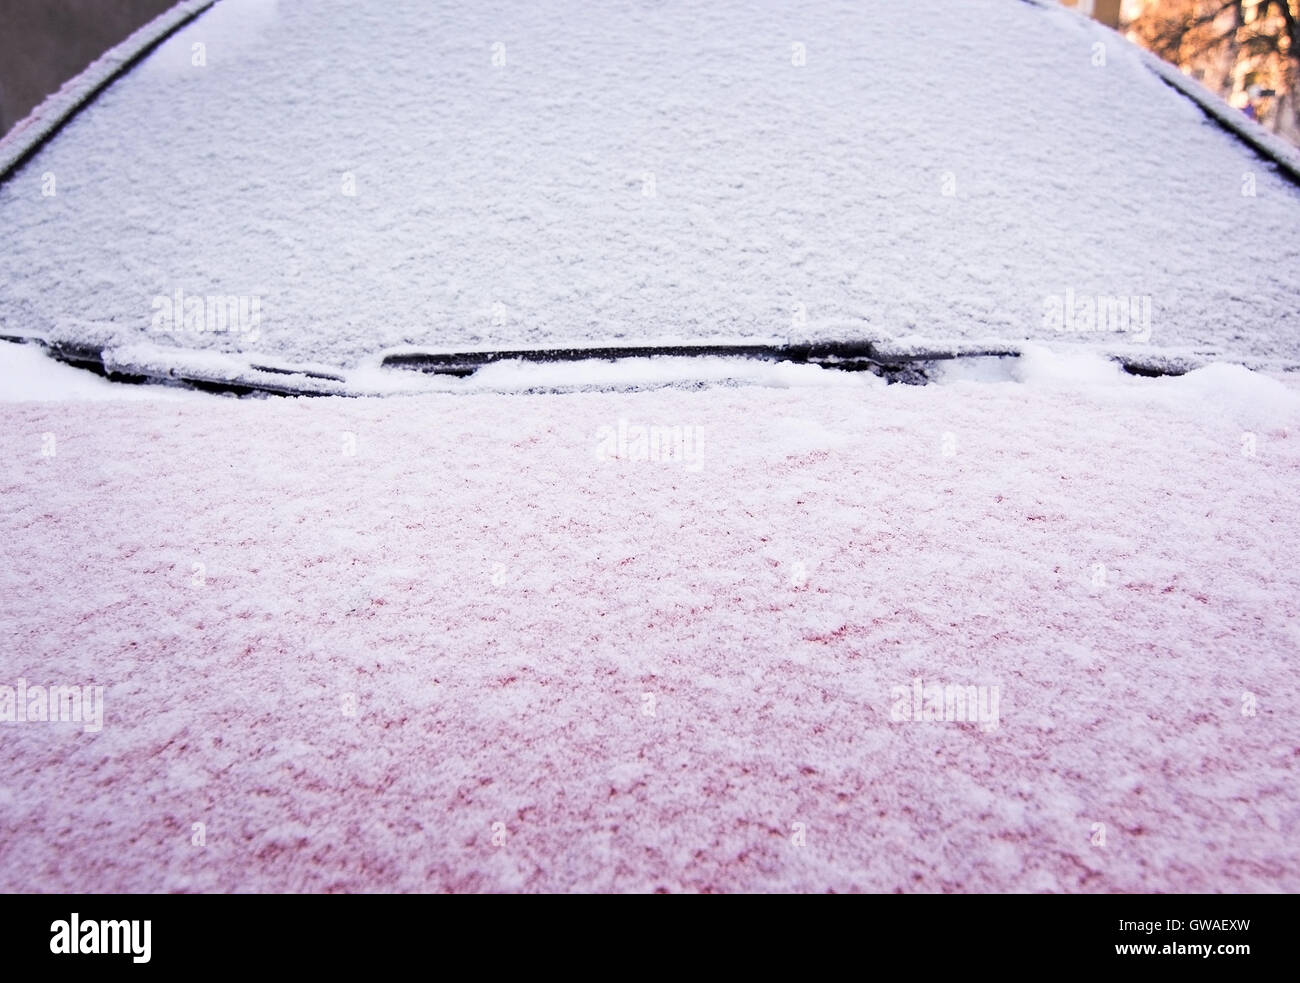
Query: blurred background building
1106	11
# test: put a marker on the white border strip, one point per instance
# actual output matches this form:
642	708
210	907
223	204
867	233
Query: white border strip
46	119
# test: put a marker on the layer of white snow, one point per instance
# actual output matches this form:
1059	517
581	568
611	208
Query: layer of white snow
646	170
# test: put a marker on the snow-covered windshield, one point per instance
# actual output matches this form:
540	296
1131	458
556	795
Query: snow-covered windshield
317	184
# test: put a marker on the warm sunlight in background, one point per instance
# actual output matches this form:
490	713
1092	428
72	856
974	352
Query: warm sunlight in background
1248	51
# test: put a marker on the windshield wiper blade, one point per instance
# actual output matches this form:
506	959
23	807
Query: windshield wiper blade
849	355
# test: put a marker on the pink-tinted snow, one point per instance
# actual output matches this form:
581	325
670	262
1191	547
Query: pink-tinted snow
497	600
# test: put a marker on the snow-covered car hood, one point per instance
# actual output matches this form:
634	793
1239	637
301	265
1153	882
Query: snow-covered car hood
664	640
